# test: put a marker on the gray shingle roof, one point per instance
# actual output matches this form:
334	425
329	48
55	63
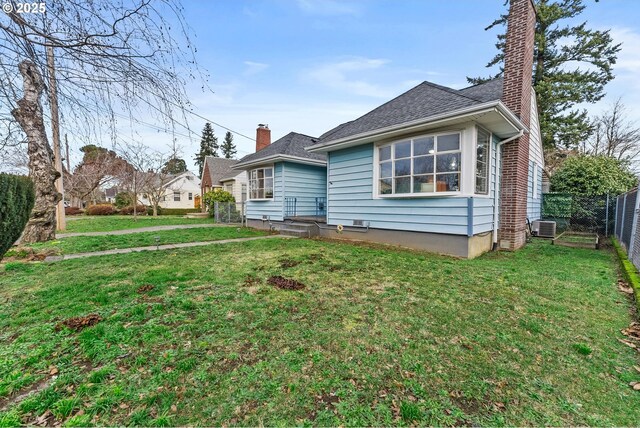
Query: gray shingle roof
425	100
220	168
292	144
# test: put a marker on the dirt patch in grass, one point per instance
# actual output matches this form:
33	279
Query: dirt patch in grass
288	263
285	284
325	401
18	397
79	323
251	281
145	288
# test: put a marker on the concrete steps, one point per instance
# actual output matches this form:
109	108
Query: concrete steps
300	230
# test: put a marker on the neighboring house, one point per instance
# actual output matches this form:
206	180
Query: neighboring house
446	170
218	173
181	191
110	195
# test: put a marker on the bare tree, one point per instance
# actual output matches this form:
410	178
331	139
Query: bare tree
99	168
112	59
614	135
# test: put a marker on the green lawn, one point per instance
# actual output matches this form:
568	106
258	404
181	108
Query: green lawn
108	223
85	244
377	337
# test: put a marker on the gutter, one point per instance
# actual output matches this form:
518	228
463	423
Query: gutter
496	208
278	158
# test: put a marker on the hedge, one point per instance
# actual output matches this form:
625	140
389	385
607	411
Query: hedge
100	209
629	271
173	211
17	197
140	210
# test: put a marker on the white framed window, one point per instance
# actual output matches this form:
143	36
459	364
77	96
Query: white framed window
228	187
261	183
421	165
483	153
190	196
176	196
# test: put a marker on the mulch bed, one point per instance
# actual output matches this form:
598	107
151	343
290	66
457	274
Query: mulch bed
144	288
285	284
79	323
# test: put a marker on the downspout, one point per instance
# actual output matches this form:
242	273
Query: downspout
496	207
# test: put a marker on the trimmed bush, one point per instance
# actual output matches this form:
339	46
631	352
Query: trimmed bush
124	199
172	211
73	211
100	209
17	196
140	209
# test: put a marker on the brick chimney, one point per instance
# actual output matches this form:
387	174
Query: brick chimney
263	137
516	95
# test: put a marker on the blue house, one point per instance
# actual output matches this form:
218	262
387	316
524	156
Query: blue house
286	182
451	171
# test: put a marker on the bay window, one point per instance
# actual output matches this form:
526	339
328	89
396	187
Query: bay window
420	165
261	183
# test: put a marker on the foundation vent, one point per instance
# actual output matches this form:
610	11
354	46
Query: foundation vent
358	222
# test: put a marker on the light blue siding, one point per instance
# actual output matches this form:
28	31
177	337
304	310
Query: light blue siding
350	198
305	183
534	204
273	209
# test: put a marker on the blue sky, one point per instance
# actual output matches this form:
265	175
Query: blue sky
309	65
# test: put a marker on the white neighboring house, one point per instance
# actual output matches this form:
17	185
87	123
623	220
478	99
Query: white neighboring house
217	173
182	191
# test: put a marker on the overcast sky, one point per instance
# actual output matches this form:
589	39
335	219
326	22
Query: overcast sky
309	65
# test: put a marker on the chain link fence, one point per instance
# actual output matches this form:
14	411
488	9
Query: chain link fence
229	212
596	214
626	229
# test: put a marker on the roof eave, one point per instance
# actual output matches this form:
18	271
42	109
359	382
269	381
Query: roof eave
278	158
364	137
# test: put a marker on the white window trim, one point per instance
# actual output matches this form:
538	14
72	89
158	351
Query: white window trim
273	169
534	190
489	165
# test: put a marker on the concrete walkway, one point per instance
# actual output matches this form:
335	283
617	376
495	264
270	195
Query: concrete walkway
158	248
142	229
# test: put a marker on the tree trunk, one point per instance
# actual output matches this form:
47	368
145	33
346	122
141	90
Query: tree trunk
42	224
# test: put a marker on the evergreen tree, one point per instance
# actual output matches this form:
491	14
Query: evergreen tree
174	166
227	147
208	146
571	65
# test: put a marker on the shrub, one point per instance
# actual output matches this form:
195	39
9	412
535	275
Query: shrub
17	196
101	209
124	199
175	211
140	209
73	211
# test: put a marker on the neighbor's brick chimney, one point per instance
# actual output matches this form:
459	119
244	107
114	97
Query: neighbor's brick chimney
516	95
263	137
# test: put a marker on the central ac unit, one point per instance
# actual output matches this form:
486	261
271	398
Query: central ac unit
543	229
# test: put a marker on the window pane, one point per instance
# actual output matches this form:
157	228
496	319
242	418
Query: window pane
423	184
268	172
447	182
403	185
385	186
384	153
448	162
423	146
268	193
260	173
482	162
385	169
260	193
448	142
268	182
403	150
403	167
261	183
423	165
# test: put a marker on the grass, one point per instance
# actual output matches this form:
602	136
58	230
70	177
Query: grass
85	244
118	222
377	337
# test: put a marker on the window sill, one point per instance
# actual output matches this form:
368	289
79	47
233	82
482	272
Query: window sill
431	195
260	200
